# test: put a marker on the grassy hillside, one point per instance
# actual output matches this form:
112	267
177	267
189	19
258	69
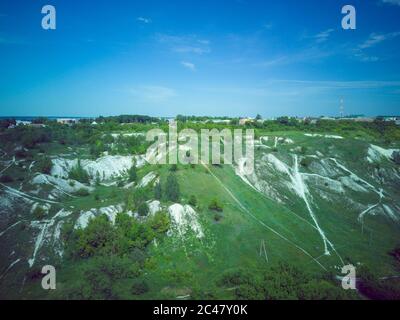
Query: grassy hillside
119	228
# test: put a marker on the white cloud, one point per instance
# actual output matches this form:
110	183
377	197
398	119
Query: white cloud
309	54
153	94
185	44
144	20
375	38
323	36
395	2
189	65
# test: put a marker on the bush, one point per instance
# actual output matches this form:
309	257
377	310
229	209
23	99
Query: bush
396	157
45	165
143	209
172	188
193	200
215	206
218	217
173	168
39	213
82	192
6	179
305	162
79	174
132	174
139	287
157	191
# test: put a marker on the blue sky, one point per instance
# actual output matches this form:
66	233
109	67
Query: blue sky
217	57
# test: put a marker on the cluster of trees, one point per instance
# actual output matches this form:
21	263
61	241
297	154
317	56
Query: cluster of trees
110	259
170	191
78	173
128	119
282	282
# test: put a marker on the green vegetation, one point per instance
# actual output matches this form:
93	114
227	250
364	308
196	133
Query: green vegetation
111	257
143	209
215	205
79	174
157	191
240	255
83	192
44	165
193	200
172	188
132	173
39	213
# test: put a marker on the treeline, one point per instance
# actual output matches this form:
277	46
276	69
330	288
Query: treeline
128	119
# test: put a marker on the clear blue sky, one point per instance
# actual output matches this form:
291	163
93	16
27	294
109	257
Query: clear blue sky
202	57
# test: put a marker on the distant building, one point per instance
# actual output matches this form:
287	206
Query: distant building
220	120
364	119
67	120
23	122
243	121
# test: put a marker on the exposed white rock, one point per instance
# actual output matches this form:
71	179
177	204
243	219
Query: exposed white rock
85	216
329	136
62	185
107	167
184	218
147	179
376	153
47	232
154	206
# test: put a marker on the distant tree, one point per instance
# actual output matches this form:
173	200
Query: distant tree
132	173
193	200
45	165
6	178
396	157
258	117
172	188
83	192
215	205
39	213
78	173
139	287
143	209
158	191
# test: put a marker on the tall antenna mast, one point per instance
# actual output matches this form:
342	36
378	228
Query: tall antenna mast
341	107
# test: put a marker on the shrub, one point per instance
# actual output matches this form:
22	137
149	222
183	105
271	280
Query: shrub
79	174
396	157
82	192
193	200
172	188
157	191
132	174
215	206
173	168
139	287
305	162
6	179
45	165
39	213
218	217
143	209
